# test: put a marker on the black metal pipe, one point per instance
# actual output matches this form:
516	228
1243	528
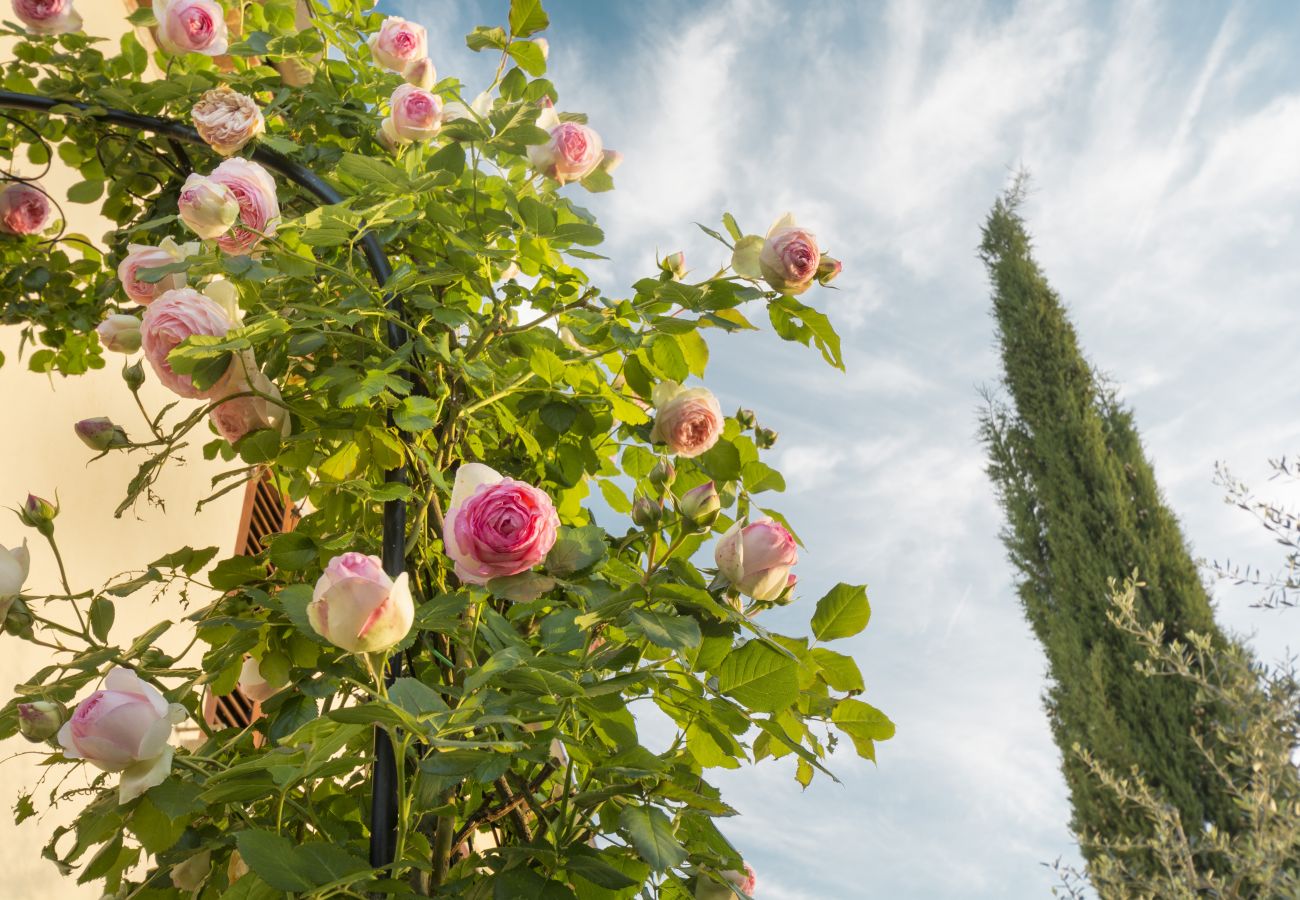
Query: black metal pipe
383	802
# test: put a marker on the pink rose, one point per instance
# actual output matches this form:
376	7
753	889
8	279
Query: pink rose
140	257
48	16
757	558
496	526
416	115
259	207
235	416
227	120
398	43
24	209
124	728
790	257
358	608
252	685
191	26
688	420
207	208
120	333
168	321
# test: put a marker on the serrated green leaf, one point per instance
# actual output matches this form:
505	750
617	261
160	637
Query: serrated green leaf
760	677
843	612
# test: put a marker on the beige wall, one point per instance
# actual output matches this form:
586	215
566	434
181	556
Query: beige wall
41	454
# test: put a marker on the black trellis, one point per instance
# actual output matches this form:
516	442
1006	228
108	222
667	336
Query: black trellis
383	804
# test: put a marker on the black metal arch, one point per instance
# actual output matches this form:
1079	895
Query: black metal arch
383	806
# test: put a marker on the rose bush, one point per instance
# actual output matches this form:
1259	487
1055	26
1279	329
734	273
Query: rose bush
587	533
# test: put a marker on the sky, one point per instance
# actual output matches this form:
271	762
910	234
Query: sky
1163	143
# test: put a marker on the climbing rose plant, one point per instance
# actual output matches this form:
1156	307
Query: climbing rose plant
589	534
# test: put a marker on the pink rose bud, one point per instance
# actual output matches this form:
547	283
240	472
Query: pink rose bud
119	333
573	152
421	74
496	526
15	562
41	720
700	505
124	728
259	206
416	115
261	406
101	434
398	43
190	875
38	513
688	420
358	608
252	685
646	513
141	257
757	558
168	321
191	26
207	207
790	258
227	120
706	888
24	209
662	475
828	270
674	265
48	16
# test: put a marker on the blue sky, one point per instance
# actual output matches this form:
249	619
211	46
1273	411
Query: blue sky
1164	144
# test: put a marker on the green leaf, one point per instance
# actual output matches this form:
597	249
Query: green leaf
482	37
744	259
342	463
529	56
651	833
260	446
864	724
86	191
681	634
732	228
840	672
537	216
576	549
294	551
546	364
231	573
417	414
525	884
101	617
527	17
759	677
843	612
295	867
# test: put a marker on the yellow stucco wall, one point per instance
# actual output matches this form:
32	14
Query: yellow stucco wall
41	454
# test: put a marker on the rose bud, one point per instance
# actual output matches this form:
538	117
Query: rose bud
259	206
765	438
662	475
496	526
191	26
189	875
168	321
119	333
206	206
700	505
227	120
48	16
790	258
252	685
416	116
133	375
421	74
646	513
708	889
757	558
398	43
573	152
101	434
41	720
674	265
24	209
124	728
688	420
828	270
14	566
746	418
140	256
358	608
39	513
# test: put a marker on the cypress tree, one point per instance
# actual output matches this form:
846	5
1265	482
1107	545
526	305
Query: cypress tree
1083	507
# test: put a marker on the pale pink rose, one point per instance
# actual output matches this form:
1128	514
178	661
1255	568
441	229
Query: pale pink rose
573	152
688	420
358	608
191	26
757	558
15	562
227	120
168	321
252	685
48	16
416	115
124	728
24	209
398	43
790	257
120	333
235	416
140	256
259	207
207	207
496	526
421	73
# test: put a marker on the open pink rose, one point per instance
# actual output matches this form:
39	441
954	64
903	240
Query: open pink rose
235	416
416	115
688	420
124	728
24	209
140	257
227	119
168	321
573	152
191	26
398	43
496	526
358	608
790	257
48	16
757	558
259	207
